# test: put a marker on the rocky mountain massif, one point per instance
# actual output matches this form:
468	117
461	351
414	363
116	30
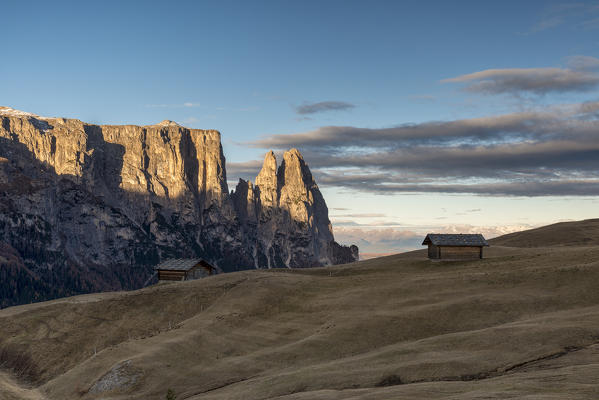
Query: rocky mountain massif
85	207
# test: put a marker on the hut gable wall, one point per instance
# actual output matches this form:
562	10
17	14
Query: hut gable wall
198	272
433	251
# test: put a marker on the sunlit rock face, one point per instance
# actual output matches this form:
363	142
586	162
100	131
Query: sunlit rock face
97	206
286	217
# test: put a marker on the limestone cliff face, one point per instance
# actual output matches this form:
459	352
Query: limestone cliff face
102	204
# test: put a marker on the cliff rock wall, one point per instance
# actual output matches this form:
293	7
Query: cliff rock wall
99	205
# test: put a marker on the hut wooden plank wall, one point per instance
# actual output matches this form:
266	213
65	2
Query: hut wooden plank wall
183	269
455	246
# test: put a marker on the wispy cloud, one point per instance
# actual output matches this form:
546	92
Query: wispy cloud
179	105
346	222
244	109
364	215
579	77
548	151
590	24
574	14
425	98
520	189
552	121
323	106
580	62
245	170
191	120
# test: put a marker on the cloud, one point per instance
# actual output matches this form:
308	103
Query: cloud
590	24
347	222
180	105
394	240
344	222
543	152
488	232
519	189
191	120
323	106
550	121
583	62
425	98
383	240
575	15
379	235
246	170
530	80
367	215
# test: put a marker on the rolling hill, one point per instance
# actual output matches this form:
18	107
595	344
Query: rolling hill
576	233
522	323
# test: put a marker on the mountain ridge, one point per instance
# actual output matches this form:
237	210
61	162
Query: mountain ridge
100	204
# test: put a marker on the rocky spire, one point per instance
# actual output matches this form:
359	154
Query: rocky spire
300	196
266	181
244	201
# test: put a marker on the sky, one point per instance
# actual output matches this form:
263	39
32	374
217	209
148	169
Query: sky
414	116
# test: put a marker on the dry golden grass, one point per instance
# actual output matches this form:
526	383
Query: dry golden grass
577	233
523	323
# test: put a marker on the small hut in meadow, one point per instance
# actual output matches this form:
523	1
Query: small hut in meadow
184	269
455	246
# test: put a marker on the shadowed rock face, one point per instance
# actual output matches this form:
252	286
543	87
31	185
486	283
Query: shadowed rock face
102	204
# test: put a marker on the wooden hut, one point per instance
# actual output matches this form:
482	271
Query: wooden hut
184	269
455	246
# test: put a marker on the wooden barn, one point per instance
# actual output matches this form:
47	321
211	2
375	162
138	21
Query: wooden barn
455	246
184	269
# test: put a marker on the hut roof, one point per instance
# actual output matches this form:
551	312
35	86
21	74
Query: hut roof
181	264
439	239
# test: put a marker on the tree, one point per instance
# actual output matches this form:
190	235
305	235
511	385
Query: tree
170	395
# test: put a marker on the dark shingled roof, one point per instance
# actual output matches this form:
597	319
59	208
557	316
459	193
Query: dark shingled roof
180	264
438	239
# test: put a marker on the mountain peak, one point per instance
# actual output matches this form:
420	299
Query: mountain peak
267	180
168	122
11	112
293	153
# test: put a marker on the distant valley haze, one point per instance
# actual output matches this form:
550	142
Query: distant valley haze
414	117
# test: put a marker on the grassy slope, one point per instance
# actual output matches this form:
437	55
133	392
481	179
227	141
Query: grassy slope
11	390
460	330
577	233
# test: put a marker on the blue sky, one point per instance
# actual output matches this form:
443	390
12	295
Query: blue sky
394	81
